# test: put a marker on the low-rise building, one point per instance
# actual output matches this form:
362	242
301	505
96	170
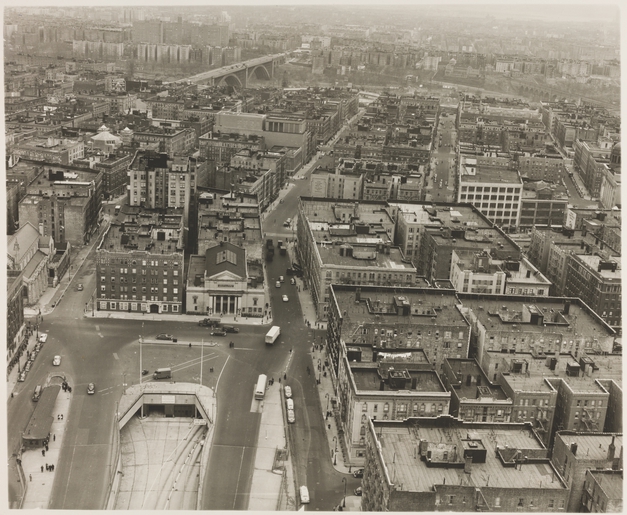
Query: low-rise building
602	491
51	150
597	281
398	385
348	243
445	464
574	453
473	397
224	282
495	189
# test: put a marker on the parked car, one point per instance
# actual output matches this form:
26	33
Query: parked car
218	332
22	377
91	389
291	418
79	287
285	299
358	491
56	361
164	336
292	281
288	392
43	337
358	473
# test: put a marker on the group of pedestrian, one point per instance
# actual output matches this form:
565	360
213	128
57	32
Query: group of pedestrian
60	417
49	468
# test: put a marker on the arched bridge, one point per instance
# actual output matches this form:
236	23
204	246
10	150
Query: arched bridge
238	74
530	89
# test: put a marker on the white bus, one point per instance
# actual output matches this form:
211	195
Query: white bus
304	495
260	389
275	330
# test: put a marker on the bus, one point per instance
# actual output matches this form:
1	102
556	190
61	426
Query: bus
260	389
275	330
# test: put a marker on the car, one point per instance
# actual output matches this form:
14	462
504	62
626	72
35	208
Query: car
285	299
56	361
27	367
290	404
22	377
291	418
281	279
79	287
231	329
286	224
91	389
218	332
164	336
358	491
278	284
292	281
43	337
288	392
358	473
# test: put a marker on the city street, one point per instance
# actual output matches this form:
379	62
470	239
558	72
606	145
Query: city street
440	186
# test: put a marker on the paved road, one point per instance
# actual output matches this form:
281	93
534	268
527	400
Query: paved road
441	182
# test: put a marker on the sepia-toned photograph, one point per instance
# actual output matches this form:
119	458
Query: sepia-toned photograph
343	256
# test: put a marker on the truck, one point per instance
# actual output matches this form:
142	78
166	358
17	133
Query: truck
269	253
269	244
162	373
273	334
283	250
209	322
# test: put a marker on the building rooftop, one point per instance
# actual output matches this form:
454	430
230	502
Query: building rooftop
461	368
513	313
470	172
363	255
535	369
442	215
139	230
611	484
369	379
591	446
596	263
499	443
389	308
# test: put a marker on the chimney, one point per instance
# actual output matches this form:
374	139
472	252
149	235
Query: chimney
611	450
468	464
619	462
573	448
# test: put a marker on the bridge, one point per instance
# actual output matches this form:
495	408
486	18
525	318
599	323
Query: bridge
539	91
238	74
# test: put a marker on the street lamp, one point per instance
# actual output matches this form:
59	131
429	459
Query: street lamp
344	501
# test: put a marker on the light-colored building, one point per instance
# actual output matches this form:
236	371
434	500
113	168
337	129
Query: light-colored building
222	281
493	189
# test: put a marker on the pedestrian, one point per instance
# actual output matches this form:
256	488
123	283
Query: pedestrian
285	376
42	467
43	452
30	477
61	416
52	468
58	417
54	438
46	447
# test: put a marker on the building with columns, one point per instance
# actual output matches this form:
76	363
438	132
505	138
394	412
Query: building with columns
223	282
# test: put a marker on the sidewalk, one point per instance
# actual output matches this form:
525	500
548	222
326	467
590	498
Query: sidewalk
272	487
335	438
38	486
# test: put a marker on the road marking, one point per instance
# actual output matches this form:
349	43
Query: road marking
97	327
223	367
115	355
239	475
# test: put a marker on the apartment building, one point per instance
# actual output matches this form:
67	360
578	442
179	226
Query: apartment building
139	263
349	243
445	464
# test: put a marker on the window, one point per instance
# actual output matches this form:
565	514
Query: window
497	501
364	406
386	407
551	503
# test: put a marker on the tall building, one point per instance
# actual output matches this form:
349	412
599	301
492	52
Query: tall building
139	264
